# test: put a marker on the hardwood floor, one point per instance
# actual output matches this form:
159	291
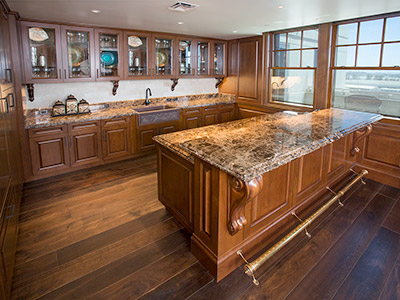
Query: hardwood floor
102	234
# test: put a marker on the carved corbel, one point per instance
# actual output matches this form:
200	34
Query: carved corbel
31	94
357	136
115	87
219	82
241	193
174	83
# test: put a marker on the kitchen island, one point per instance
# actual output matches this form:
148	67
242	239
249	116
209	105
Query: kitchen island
234	186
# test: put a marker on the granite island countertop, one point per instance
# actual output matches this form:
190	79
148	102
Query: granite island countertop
34	119
250	147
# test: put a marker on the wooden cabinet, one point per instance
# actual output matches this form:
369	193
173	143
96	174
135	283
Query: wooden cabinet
191	118
136	55
219	55
116	138
226	113
49	149
186	57
163	56
85	143
210	115
145	134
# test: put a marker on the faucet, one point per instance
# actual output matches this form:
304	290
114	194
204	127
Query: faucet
148	91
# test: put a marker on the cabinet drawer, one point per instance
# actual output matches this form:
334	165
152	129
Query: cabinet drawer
192	111
210	109
226	107
84	127
116	122
38	132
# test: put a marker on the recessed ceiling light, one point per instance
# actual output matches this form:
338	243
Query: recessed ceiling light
95	11
180	23
235	31
280	6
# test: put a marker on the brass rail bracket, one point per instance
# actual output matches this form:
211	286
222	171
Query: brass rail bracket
255	281
301	221
357	136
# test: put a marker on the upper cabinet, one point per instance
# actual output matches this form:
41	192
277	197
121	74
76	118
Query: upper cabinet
136	54
42	52
109	62
56	53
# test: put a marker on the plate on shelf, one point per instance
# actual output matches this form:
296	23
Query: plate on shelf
76	55
109	58
38	34
134	41
161	58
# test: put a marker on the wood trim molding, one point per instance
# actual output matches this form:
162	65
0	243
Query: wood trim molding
359	134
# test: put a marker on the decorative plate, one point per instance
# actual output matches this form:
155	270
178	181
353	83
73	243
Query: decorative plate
76	56
183	45
134	41
161	58
38	34
108	58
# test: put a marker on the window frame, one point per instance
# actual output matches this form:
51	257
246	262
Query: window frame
270	68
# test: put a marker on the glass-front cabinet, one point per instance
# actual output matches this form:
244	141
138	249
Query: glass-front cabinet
108	55
77	48
42	52
163	55
203	58
137	55
186	55
219	61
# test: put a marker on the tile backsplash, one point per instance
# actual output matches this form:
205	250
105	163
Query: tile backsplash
46	94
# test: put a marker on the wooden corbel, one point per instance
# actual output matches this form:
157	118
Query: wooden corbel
241	193
30	89
220	80
357	136
115	87
174	83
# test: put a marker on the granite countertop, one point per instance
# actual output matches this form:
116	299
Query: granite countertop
33	119
250	147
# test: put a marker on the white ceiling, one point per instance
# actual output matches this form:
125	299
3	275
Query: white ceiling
214	18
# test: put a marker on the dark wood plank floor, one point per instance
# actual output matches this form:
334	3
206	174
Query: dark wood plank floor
102	234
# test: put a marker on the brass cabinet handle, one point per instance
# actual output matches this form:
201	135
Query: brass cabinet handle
12	211
59	73
9	75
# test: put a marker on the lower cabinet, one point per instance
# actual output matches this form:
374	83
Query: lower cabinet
145	134
192	118
116	138
209	115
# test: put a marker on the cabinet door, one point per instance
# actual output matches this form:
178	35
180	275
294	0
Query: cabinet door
145	139
49	151
227	113
116	138
210	116
78	53
137	58
85	143
219	67
203	58
163	56
191	122
168	128
42	52
186	57
109	63
6	72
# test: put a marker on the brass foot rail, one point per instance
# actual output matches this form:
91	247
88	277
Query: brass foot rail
250	268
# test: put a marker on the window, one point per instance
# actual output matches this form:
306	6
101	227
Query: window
366	72
294	61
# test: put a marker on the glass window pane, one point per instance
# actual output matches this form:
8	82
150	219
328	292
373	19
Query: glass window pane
392	31
345	56
391	55
163	53
219	59
310	38
376	91
293	86
78	54
280	41
137	55
293	58
371	31
109	55
279	59
347	34
368	56
202	58
309	58
294	40
185	57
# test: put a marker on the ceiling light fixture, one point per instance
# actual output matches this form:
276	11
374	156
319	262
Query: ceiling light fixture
235	31
95	11
280	6
180	23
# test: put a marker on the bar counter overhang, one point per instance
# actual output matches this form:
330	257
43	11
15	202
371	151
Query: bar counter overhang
235	186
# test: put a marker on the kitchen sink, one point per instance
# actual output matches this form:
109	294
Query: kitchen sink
156	114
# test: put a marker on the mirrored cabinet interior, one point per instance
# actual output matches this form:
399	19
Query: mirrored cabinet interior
186	54
163	56
219	67
137	55
108	55
203	58
42	52
77	53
